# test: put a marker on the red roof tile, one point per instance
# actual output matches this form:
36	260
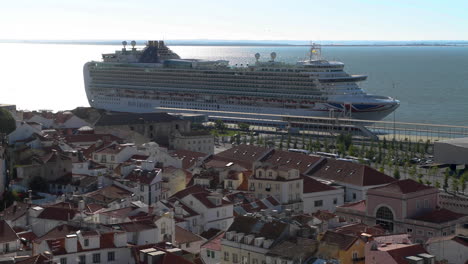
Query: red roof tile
143	176
404	187
7	234
183	236
358	229
310	186
58	213
57	232
348	172
358	206
400	254
83	138
214	243
439	216
291	160
245	155
343	241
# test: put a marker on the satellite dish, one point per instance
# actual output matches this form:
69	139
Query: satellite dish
273	56
133	43
257	56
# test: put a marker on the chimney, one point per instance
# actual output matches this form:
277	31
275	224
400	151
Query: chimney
71	243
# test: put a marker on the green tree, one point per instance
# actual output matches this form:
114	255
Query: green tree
455	184
238	139
7	122
244	140
396	173
426	146
243	126
428	183
437	184
463	180
412	172
384	144
446	179
219	125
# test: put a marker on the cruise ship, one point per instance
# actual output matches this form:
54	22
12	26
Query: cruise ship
155	78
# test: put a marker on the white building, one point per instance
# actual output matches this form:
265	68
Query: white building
146	184
114	154
320	196
9	241
453	249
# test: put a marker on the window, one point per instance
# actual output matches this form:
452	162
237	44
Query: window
335	201
430	234
63	260
277	186
298	197
142	188
418	204
226	256
112	157
163	228
86	242
96	157
229	184
409	230
97	258
234	258
385	218
268	187
252	186
355	255
270	174
260	185
6	247
318	203
260	174
354	196
82	259
254	261
111	256
208	253
426	203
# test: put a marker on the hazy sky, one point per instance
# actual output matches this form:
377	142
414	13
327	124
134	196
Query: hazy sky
235	19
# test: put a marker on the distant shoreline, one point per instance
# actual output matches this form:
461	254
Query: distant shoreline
247	44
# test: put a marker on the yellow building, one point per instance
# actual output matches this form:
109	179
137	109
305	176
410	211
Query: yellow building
348	249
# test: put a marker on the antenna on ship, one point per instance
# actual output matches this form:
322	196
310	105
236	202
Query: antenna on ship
257	56
315	51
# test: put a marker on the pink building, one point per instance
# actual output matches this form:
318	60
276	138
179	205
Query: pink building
404	206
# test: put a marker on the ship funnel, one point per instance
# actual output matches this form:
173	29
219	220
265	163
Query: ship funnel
257	56
273	56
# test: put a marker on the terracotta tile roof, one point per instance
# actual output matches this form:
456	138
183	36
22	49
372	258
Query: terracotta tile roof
190	190
38	259
400	254
258	227
119	213
245	155
7	234
348	172
109	194
392	239
272	200
57	232
404	187
358	206
58	213
358	229
112	149
137	226
143	176
461	240
324	215
214	243
14	212
203	198
343	241
183	236
28	235
311	186
291	160
438	216
210	233
189	158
